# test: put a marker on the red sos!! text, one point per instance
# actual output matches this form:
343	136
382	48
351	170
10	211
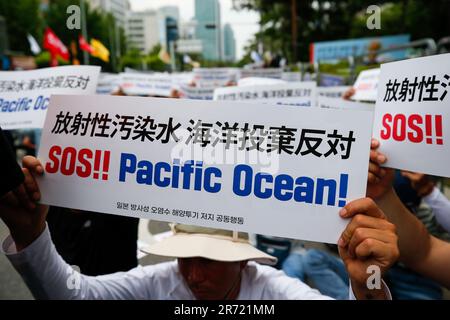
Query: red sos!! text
414	128
84	163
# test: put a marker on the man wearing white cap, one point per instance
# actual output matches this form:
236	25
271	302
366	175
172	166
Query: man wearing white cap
211	263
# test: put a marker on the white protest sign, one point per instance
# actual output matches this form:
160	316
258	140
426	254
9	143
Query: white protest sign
187	92
142	84
332	92
333	103
366	85
262	73
214	77
254	81
24	95
412	114
297	93
291	76
182	78
108	83
268	170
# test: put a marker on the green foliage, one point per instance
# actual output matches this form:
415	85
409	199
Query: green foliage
136	60
22	17
335	20
43	60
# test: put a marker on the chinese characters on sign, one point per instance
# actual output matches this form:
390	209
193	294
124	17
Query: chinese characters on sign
416	90
25	95
280	139
412	114
94	149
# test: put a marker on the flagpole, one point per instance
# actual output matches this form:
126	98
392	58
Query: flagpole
84	30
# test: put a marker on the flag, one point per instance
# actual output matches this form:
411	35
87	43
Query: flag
55	46
187	59
256	57
99	50
34	47
84	45
164	56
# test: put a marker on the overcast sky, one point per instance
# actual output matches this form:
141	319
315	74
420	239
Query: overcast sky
244	23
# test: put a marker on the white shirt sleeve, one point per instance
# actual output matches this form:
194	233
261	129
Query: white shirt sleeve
440	206
48	276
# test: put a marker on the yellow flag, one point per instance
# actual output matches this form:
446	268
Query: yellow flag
99	50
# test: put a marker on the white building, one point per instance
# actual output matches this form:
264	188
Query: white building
187	42
118	8
142	30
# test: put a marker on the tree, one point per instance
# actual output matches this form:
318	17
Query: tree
100	25
334	20
22	17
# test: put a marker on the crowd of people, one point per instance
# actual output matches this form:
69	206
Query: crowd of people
402	227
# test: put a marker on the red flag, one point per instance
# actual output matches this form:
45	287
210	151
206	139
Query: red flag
84	45
54	45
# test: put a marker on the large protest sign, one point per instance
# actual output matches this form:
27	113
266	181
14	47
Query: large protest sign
412	114
296	93
143	84
283	172
341	104
24	95
366	85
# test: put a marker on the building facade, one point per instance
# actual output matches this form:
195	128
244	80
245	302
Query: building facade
229	43
142	30
208	28
118	8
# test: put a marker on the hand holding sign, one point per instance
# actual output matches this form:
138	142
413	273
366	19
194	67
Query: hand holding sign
379	180
368	240
19	209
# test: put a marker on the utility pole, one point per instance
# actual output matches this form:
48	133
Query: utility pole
113	48
118	44
218	31
172	55
294	30
84	30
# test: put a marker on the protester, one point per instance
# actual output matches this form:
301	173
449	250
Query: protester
212	264
432	196
323	269
419	250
